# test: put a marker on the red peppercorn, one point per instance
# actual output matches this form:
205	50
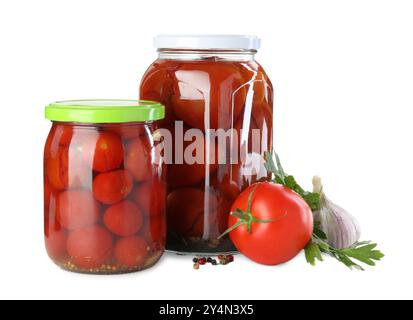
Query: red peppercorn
202	261
230	258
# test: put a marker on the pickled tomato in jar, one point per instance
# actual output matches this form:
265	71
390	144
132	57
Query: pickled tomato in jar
219	111
98	160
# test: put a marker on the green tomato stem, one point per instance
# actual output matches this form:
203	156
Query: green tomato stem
246	217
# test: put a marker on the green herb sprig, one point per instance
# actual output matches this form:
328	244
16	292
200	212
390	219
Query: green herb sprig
313	199
360	251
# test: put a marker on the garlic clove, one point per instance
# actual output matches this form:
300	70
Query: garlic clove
341	228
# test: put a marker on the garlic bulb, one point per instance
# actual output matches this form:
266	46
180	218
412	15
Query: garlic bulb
341	228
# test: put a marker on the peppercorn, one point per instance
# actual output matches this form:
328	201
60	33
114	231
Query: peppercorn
195	260
196	266
202	261
209	260
214	262
230	258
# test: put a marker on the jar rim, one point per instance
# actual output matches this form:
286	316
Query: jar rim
207	42
105	111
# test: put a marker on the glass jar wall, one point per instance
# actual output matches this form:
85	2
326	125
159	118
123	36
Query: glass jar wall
227	96
104	194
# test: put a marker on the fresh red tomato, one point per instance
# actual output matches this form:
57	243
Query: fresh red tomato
56	244
138	159
108	152
186	211
112	187
151	197
132	252
123	219
90	248
77	209
281	225
208	87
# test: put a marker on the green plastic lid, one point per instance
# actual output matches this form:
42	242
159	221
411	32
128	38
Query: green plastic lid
105	111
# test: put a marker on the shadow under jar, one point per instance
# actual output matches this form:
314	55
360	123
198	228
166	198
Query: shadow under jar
219	109
104	190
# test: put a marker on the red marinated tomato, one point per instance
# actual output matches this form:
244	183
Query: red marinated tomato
262	115
151	197
64	134
232	183
256	79
185	208
50	194
189	174
90	247
157	85
138	159
112	187
123	219
192	111
280	223
244	140
79	175
65	170
77	209
213	82
108	152
60	135
131	252
56	244
56	167
126	131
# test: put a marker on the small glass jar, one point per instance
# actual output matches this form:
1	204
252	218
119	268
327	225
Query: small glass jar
104	188
211	85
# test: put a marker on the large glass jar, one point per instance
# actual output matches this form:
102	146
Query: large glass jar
104	190
219	109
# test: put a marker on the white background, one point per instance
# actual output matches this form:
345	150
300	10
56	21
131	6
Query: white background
343	72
